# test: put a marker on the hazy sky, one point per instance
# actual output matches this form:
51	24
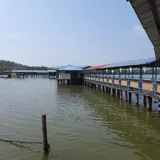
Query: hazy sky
79	32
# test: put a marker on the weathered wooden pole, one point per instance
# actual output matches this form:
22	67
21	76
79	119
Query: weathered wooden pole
44	130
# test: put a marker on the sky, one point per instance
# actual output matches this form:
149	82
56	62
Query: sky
78	32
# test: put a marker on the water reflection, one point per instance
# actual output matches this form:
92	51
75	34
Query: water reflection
131	124
45	156
82	123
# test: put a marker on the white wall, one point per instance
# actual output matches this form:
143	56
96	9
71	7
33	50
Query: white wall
63	75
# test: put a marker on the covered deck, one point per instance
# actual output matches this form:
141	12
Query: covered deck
140	77
70	75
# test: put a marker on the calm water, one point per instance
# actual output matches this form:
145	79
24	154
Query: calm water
83	124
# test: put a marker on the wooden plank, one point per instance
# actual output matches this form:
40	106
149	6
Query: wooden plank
143	9
147	86
158	88
134	84
157	2
147	21
156	42
101	80
116	82
124	83
149	25
146	15
109	80
152	30
137	3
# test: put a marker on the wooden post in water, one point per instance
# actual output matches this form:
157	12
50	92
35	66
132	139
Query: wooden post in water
44	130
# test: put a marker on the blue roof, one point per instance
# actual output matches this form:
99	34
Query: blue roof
70	68
132	63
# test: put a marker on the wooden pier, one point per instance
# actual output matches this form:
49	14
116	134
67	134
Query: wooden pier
70	75
120	80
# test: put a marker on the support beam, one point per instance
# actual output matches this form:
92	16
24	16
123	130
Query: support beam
137	99
144	100
155	14
118	93
130	97
126	95
149	102
121	94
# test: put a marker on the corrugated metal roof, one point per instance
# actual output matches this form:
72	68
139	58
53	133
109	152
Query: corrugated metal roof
148	12
132	63
96	67
70	68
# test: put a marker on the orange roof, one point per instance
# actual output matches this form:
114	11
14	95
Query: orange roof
96	67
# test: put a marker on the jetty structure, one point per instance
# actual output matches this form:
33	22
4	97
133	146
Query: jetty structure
134	78
28	73
70	75
125	79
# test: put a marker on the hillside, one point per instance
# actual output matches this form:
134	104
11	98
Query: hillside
8	65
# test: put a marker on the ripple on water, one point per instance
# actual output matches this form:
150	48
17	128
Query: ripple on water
82	123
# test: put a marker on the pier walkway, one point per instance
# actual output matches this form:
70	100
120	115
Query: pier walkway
139	77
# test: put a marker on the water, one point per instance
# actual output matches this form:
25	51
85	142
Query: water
83	124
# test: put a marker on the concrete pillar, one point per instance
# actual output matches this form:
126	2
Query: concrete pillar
114	92
126	95
149	102
102	88
111	91
144	100
91	85
159	106
118	93
137	99
130	97
121	94
65	82
107	89
96	86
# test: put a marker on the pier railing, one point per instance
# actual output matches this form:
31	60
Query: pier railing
141	81
140	84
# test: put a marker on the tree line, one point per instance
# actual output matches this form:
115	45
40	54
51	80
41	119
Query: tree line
8	65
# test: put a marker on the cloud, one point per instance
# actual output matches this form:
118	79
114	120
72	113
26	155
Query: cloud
139	30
